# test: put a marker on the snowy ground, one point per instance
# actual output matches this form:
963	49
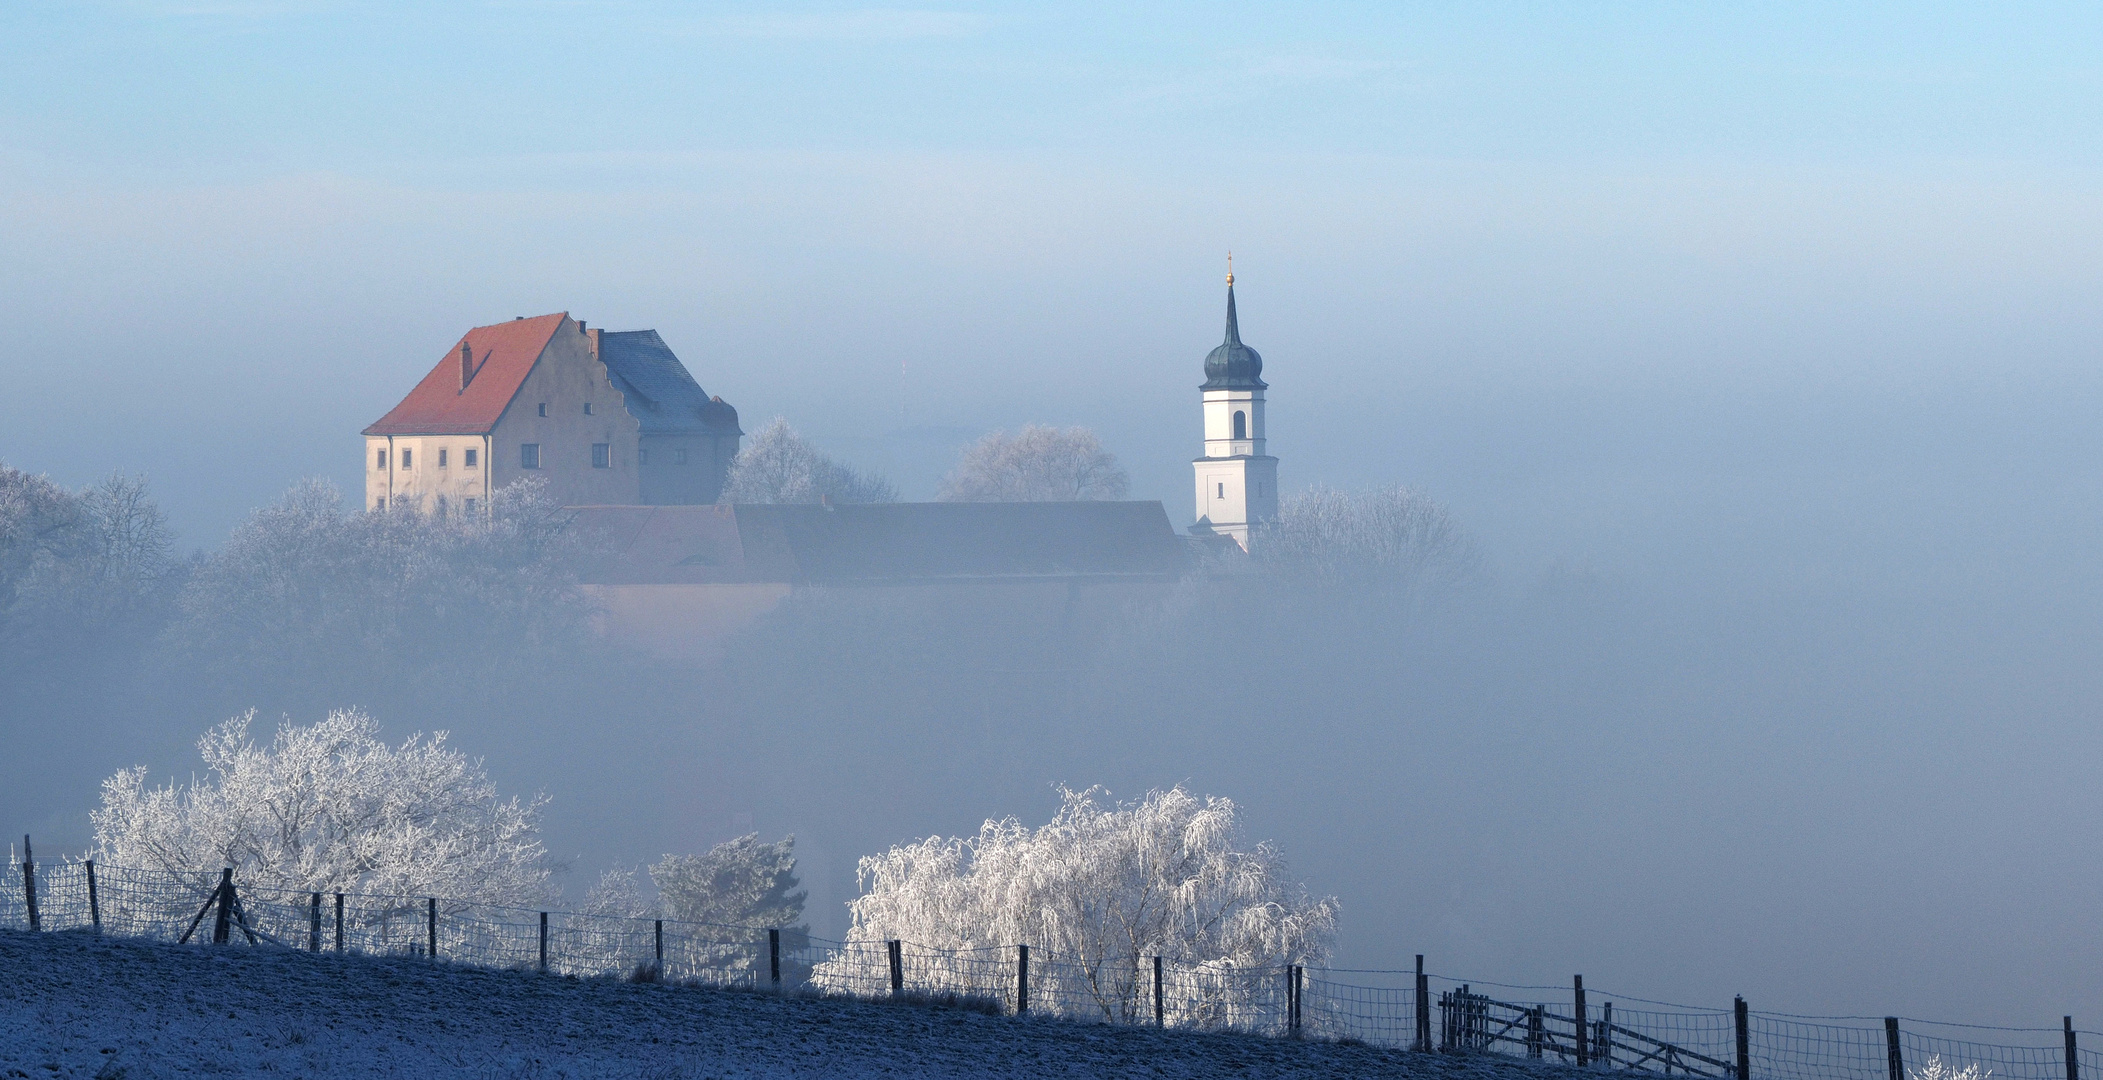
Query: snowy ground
75	1005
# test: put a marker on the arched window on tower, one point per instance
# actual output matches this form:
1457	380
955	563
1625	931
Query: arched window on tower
1241	424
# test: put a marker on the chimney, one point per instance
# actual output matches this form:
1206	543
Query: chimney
593	337
467	364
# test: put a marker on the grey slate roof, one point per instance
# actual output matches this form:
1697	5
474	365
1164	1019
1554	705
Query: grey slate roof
1233	366
660	391
884	543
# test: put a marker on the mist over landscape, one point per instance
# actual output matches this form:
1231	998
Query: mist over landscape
1754	355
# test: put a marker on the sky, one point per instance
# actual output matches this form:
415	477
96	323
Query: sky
1781	316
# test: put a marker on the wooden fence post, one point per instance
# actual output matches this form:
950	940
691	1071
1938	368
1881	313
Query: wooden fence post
94	898
897	951
1022	979
544	943
659	932
1584	1049
29	884
431	915
774	956
314	923
1895	1063
1292	999
1160	1016
339	922
223	920
1744	1039
1423	1007
2073	1062
1603	1050
1533	1032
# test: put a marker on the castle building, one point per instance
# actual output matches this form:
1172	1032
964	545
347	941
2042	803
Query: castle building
1237	483
606	418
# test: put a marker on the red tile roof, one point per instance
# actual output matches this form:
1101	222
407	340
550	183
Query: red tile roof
503	354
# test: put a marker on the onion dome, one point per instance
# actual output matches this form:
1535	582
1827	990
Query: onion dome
1233	366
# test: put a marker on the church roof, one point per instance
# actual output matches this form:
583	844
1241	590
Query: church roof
883	543
660	392
499	358
1233	366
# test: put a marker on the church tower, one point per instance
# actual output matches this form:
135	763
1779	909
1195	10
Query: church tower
1237	483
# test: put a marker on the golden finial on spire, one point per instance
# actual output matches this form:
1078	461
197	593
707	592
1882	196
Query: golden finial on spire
1230	269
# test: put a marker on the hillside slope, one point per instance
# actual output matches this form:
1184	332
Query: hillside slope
72	1004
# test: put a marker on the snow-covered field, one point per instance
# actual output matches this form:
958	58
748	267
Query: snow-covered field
72	1004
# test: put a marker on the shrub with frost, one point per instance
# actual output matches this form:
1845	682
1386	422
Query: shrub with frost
1936	1069
329	807
1097	893
1036	464
781	466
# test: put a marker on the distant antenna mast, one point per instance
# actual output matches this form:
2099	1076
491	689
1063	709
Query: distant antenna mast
1230	269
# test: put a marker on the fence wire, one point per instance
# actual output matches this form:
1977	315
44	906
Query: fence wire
1383	1008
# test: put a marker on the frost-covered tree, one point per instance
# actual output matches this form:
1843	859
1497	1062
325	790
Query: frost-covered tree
1098	891
780	466
1389	536
741	882
306	594
1036	464
1937	1069
330	807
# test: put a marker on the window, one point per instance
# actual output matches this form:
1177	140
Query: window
1241	425
470	460
1222	492
380	462
379	503
467	507
642	457
529	455
678	457
601	453
543	408
587	408
441	457
408	456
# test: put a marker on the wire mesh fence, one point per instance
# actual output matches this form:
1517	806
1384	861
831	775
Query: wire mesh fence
1403	1010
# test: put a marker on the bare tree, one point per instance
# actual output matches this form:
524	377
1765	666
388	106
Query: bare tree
780	466
1036	464
1388	537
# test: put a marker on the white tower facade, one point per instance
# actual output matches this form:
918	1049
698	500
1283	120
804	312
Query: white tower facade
1237	481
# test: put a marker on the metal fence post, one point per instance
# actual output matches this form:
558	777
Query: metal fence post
94	898
1744	1038
29	884
314	923
1423	1007
1896	1063
1160	1016
1022	979
543	942
897	965
339	922
431	914
2073	1062
1584	1049
774	956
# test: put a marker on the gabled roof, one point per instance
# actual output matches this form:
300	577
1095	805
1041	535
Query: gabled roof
660	392
882	543
502	355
